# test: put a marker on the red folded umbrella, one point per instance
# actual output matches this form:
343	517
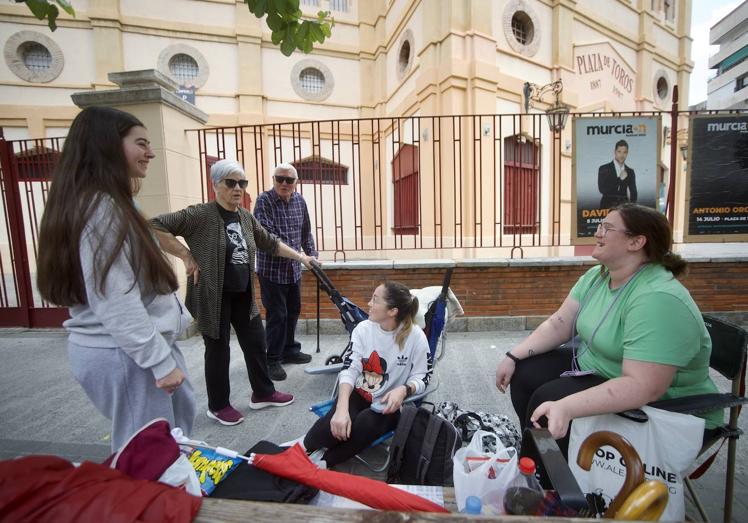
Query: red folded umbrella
294	464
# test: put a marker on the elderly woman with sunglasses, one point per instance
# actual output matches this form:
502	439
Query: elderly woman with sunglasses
222	239
637	335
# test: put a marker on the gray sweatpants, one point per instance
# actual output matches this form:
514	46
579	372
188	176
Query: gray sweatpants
127	394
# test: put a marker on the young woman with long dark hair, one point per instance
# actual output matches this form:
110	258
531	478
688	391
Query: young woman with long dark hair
98	257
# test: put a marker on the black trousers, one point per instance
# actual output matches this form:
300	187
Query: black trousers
282	302
235	311
366	426
537	380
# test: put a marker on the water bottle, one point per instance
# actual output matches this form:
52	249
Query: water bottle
524	494
472	505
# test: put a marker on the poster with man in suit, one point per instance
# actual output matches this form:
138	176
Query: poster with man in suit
616	181
615	161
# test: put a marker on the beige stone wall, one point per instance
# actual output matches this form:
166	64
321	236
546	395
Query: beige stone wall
464	60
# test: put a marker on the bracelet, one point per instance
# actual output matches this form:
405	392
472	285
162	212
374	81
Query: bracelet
512	357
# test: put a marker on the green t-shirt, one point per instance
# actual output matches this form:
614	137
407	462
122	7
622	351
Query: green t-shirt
654	320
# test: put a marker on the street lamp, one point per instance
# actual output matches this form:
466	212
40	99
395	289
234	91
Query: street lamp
558	113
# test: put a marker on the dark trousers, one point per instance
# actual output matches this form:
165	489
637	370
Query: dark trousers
537	380
282	302
235	311
366	426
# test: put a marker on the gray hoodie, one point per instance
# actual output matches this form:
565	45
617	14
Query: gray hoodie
143	324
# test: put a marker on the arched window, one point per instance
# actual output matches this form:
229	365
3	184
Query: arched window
521	185
316	169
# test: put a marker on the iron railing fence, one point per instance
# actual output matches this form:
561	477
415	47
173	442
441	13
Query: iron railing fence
419	182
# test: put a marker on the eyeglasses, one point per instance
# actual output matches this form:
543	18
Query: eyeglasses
290	180
231	183
607	228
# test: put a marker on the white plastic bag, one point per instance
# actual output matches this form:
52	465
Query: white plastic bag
477	472
182	474
667	444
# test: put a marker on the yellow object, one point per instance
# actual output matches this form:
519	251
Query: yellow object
646	503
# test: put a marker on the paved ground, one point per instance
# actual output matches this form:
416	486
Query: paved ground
44	411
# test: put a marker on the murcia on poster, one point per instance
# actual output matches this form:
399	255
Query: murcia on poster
615	161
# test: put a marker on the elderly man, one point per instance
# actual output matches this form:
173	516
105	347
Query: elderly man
283	212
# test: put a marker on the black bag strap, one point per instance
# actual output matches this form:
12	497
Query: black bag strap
427	447
461	423
404	424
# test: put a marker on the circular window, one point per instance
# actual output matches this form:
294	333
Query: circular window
405	54
404	57
312	80
33	57
522	28
36	57
661	86
184	64
183	68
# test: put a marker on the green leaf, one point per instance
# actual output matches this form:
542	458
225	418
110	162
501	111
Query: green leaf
67	6
39	8
277	36
274	21
287	47
316	32
302	34
257	7
326	30
52	14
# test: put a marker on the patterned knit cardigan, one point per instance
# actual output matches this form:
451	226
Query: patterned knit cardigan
202	227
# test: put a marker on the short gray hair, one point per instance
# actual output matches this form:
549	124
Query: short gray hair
222	168
285	167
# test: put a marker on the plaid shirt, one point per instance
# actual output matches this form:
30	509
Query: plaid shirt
289	221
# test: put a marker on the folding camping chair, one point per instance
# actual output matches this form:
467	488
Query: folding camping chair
435	334
729	345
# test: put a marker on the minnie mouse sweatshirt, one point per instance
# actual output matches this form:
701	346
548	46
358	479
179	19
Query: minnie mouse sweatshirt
376	365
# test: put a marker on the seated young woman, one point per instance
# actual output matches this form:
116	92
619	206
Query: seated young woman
389	361
639	335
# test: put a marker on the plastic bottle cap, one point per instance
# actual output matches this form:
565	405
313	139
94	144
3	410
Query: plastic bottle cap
526	466
472	505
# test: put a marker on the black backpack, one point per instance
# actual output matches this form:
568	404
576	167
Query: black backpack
422	448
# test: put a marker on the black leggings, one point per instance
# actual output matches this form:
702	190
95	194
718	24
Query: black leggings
536	380
366	426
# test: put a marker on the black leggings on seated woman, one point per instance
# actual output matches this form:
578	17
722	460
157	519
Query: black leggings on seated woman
366	426
537	380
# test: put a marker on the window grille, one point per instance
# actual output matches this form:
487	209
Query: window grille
312	80
36	57
183	68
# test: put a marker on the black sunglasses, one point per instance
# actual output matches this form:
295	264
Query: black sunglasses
231	183
285	179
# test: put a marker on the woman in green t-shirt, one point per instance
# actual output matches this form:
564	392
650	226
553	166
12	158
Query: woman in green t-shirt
637	335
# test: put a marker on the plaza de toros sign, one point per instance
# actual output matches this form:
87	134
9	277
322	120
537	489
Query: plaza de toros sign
603	75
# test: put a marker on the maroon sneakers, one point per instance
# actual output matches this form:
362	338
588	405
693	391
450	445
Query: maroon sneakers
226	416
276	399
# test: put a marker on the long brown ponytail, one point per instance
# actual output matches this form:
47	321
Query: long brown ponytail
399	296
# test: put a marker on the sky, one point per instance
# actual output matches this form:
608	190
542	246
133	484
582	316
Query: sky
704	14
